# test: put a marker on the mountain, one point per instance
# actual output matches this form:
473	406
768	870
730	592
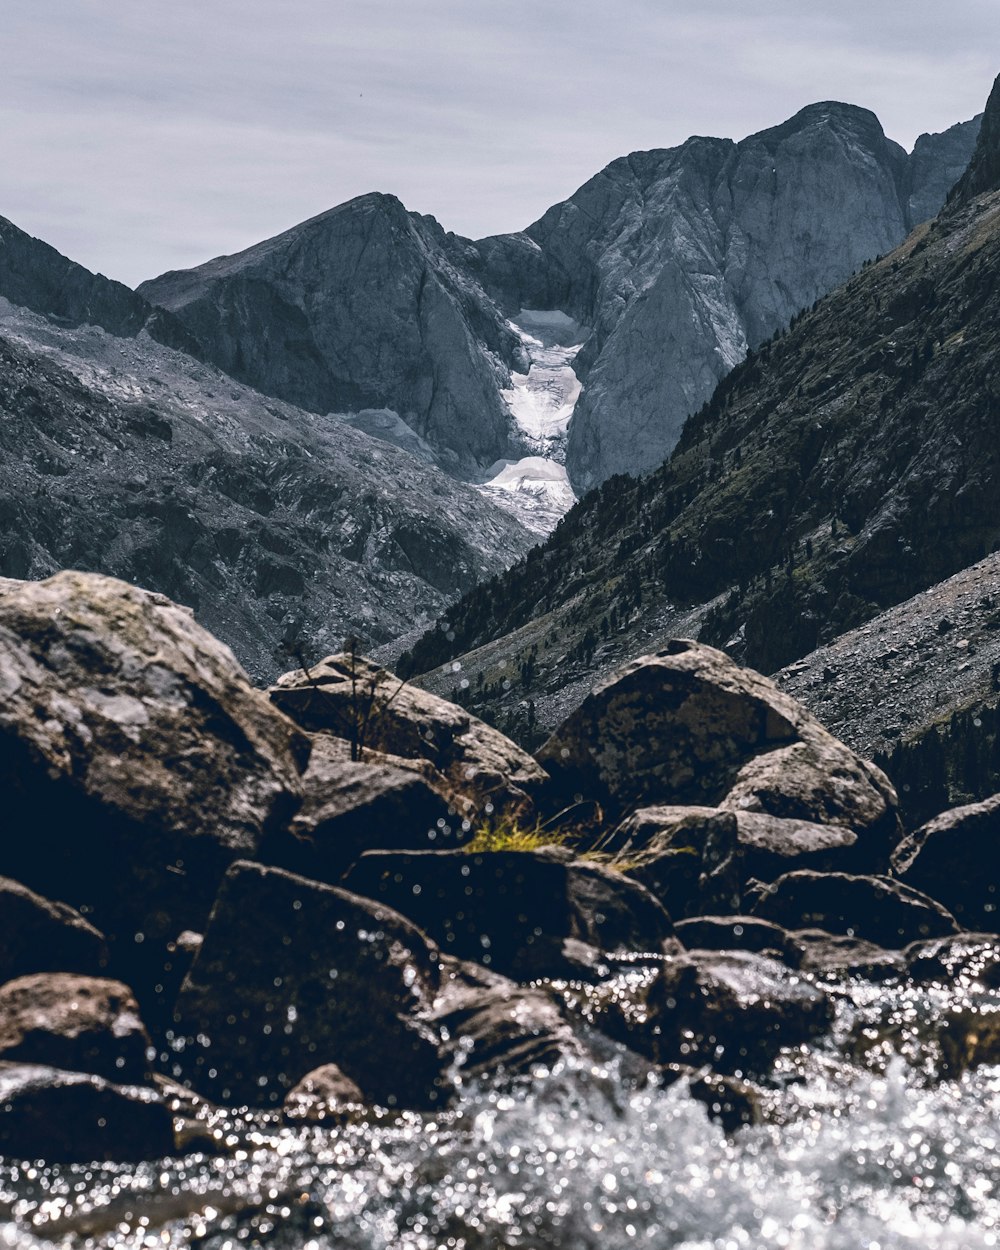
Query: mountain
125	456
843	467
360	308
673	263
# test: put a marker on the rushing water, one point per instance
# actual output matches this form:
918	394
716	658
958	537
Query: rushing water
872	1156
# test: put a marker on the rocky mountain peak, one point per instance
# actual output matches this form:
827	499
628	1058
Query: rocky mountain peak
983	173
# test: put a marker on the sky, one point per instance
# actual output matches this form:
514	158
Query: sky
139	135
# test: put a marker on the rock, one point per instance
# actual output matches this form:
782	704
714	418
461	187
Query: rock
324	1096
685	856
956	856
136	760
770	846
293	974
379	713
823	954
733	933
733	1010
877	909
688	726
83	1024
983	172
360	307
493	1026
351	806
968	958
525	914
37	935
71	1117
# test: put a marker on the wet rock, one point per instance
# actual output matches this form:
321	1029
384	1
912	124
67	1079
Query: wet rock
136	760
733	933
688	726
526	914
84	1024
825	954
968	958
493	1026
956	856
38	935
355	700
71	1117
352	806
293	974
877	909
324	1096
734	1010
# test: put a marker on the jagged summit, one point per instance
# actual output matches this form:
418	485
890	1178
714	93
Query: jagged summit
983	173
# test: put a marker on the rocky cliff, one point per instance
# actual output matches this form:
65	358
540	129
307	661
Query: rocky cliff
361	307
125	457
679	260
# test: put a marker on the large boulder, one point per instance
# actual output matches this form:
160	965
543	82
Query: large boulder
350	806
293	974
353	699
688	726
733	933
84	1024
38	935
136	760
526	914
73	1117
956	857
877	909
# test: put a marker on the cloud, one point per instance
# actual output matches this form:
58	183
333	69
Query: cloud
138	137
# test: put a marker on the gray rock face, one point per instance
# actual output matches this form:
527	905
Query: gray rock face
359	308
683	259
678	259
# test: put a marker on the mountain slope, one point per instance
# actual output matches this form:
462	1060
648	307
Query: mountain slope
124	457
840	469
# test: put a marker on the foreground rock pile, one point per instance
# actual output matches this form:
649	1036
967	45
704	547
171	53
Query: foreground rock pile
349	894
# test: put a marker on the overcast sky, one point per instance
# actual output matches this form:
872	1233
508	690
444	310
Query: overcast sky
143	135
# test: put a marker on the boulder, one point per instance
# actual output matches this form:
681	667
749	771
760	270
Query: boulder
688	726
729	1101
956	857
136	760
72	1117
823	954
733	1010
353	699
526	914
769	846
877	909
353	806
492	1026
84	1024
38	935
293	974
733	933
324	1096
